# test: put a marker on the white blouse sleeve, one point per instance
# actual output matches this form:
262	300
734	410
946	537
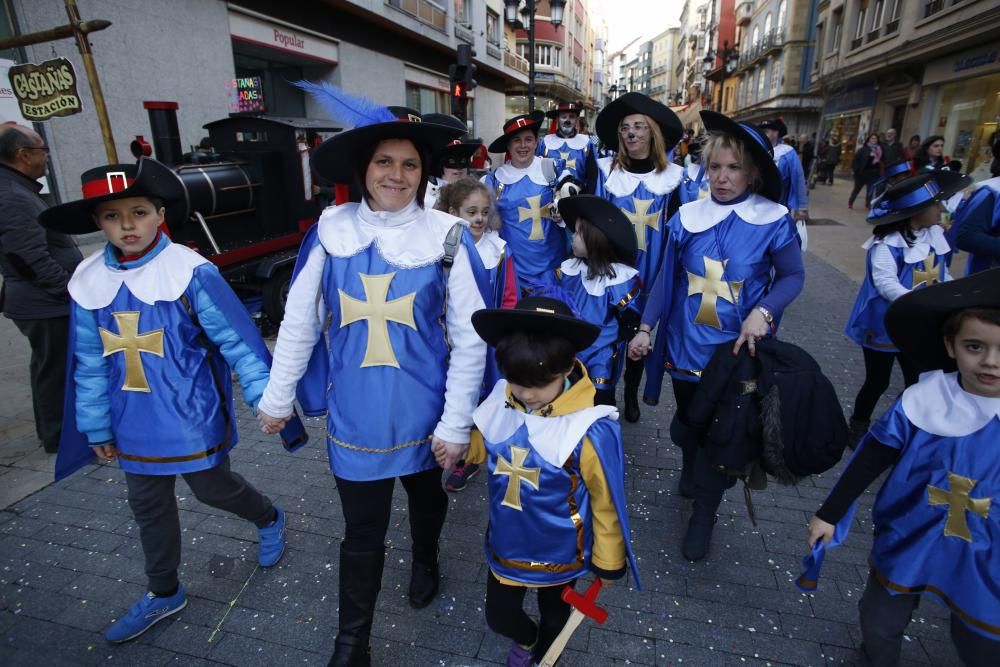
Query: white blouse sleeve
300	330
884	274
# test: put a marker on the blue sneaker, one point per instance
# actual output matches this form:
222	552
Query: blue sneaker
144	614
272	540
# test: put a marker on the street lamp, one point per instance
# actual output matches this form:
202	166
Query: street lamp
527	22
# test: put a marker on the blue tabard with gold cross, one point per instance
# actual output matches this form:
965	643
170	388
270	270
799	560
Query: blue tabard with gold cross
719	276
643	198
694	185
537	244
866	324
984	201
572	151
937	516
388	360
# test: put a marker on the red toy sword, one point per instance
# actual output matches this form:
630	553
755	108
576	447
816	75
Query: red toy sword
584	606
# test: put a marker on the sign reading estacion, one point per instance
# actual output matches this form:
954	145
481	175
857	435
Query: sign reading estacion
46	90
246	94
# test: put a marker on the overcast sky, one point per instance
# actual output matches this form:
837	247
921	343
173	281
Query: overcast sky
628	19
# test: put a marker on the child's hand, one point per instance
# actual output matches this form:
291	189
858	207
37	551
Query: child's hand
447	453
269	424
639	346
106	453
820	529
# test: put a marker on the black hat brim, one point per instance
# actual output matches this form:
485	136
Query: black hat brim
494	324
499	145
771	187
153	179
336	158
607	217
611	116
776	125
554	113
915	320
950	183
462	150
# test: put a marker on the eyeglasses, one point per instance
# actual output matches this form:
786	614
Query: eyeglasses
43	147
625	128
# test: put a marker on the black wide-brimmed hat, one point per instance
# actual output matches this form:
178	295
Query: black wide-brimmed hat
575	107
756	144
897	169
912	195
611	116
148	178
454	155
775	124
535	315
335	159
607	217
528	121
914	321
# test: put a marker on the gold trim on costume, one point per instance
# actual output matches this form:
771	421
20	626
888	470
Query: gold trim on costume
377	310
132	344
683	371
516	473
958	501
175	459
711	287
628	297
534	213
870	342
641	219
370	450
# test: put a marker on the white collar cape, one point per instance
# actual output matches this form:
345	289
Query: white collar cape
553	438
577	142
623	183
508	174
693	170
703	214
410	238
490	247
163	278
991	183
927	239
781	150
574	266
938	405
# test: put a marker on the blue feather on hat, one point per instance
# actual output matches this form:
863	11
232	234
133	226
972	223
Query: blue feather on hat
351	110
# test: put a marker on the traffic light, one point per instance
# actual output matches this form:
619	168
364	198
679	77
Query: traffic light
461	80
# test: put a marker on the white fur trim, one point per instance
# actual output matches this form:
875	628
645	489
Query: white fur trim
703	214
781	150
574	266
991	183
927	239
508	174
939	406
490	248
623	183
164	278
577	142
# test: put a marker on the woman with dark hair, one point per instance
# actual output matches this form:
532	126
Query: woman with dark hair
641	182
403	367
732	265
930	156
867	165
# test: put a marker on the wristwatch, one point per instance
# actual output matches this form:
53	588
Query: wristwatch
768	317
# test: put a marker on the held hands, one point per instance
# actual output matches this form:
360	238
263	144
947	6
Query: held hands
754	328
446	453
819	529
106	453
640	345
269	424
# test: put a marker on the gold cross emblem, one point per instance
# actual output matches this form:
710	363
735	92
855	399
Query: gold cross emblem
958	502
516	473
641	219
378	312
131	343
534	213
570	164
930	273
712	287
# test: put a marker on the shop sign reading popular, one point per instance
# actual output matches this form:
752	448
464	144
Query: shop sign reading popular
46	90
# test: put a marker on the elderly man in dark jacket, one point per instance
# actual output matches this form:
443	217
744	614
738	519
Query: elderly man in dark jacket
36	265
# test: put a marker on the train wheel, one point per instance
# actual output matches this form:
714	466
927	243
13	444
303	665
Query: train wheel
275	294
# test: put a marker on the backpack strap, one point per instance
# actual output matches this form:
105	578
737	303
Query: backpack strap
451	243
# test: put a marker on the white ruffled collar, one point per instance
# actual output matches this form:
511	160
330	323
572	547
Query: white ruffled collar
623	183
938	405
94	284
574	266
577	142
927	239
410	238
703	214
781	150
508	174
490	247
553	438
991	183
693	170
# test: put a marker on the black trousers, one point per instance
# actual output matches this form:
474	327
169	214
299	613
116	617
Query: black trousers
49	339
505	614
709	483
884	617
154	506
866	179
368	505
878	374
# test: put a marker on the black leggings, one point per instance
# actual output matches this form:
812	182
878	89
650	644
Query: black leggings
878	374
505	614
368	505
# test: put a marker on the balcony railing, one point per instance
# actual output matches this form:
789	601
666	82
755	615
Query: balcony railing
771	41
514	61
933	7
744	12
428	12
891	27
857	42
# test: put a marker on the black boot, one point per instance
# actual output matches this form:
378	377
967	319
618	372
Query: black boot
633	374
360	582
685	438
699	533
425	528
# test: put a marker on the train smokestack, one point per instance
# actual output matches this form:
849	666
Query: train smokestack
166	135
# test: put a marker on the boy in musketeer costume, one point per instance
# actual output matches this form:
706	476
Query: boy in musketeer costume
937	519
567	142
556	483
154	332
794	193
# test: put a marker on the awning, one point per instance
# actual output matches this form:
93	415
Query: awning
689	114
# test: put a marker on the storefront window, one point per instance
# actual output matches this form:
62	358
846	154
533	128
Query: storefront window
966	116
427	100
280	98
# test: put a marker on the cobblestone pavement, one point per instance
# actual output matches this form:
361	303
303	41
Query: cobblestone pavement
70	562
